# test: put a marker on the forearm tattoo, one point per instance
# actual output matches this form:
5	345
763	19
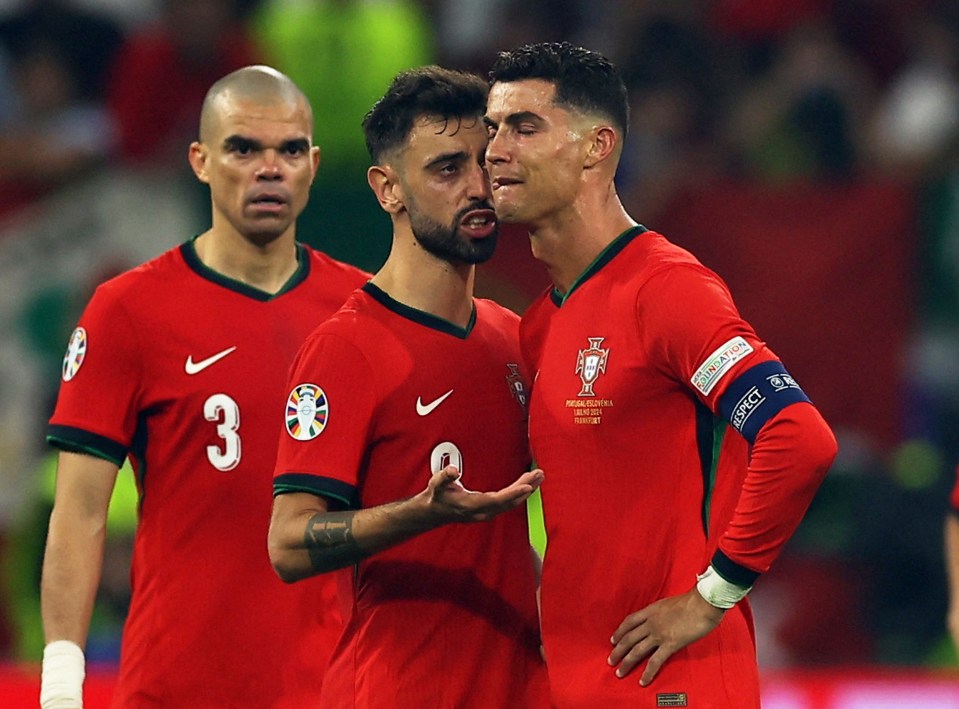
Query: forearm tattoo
330	542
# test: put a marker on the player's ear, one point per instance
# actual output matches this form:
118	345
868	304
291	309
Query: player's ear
314	161
385	185
602	143
198	157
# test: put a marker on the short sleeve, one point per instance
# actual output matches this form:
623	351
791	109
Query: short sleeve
327	420
99	398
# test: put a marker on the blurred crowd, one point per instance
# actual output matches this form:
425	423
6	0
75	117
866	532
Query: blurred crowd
808	150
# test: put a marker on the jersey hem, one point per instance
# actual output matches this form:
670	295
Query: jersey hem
316	485
76	440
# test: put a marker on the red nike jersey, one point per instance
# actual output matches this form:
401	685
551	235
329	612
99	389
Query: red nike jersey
447	619
633	369
184	370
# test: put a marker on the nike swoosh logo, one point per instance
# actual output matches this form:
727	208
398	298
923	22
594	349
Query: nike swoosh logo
192	367
425	409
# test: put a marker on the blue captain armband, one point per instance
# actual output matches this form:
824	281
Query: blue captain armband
757	395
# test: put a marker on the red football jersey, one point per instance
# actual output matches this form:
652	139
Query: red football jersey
447	619
633	368
185	370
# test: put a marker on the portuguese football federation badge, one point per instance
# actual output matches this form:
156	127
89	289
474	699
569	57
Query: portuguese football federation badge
517	386
307	411
76	351
590	363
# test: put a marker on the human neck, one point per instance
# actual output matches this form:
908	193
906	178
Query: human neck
266	267
567	246
416	278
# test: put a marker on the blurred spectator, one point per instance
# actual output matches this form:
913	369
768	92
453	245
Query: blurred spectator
916	137
673	68
800	117
918	116
85	40
469	33
129	14
164	70
57	126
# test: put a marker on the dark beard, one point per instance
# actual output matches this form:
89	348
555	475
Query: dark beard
446	243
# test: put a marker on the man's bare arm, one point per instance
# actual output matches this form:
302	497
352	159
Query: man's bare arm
306	538
72	565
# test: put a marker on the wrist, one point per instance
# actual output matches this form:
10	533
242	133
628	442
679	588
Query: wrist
418	514
61	680
717	591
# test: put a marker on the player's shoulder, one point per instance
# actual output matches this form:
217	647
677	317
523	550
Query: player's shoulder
542	307
146	277
350	321
656	253
663	259
492	312
327	266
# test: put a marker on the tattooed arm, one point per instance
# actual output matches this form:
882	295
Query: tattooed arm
306	538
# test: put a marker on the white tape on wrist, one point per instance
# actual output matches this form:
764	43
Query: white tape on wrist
61	680
717	591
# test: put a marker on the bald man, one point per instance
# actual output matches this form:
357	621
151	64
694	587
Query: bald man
180	364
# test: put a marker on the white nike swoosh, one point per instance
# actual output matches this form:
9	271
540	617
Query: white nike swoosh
192	367
424	409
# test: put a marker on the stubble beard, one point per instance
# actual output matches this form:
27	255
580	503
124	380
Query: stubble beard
446	242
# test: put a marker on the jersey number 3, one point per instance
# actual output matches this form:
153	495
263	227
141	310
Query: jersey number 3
223	410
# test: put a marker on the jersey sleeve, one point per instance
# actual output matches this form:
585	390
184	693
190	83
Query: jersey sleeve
702	341
98	402
327	421
787	464
694	331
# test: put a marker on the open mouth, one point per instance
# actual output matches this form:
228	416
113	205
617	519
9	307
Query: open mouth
479	223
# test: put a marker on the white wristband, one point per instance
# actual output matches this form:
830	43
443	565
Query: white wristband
61	681
717	591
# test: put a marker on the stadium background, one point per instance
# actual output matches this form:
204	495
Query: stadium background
807	150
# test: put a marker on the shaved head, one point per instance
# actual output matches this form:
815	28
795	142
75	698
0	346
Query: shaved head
257	84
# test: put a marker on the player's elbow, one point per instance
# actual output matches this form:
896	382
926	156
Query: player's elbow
815	444
284	558
284	563
822	444
288	575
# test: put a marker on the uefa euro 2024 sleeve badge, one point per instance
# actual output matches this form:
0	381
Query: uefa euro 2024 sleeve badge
307	412
76	351
590	363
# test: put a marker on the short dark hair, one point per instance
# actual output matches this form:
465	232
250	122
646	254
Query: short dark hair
424	91
585	80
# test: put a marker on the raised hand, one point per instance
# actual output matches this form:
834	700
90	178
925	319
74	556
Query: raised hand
448	498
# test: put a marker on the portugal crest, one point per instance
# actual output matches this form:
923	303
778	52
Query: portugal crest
307	411
517	386
590	363
76	351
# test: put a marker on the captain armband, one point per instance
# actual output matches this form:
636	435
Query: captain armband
717	591
757	395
